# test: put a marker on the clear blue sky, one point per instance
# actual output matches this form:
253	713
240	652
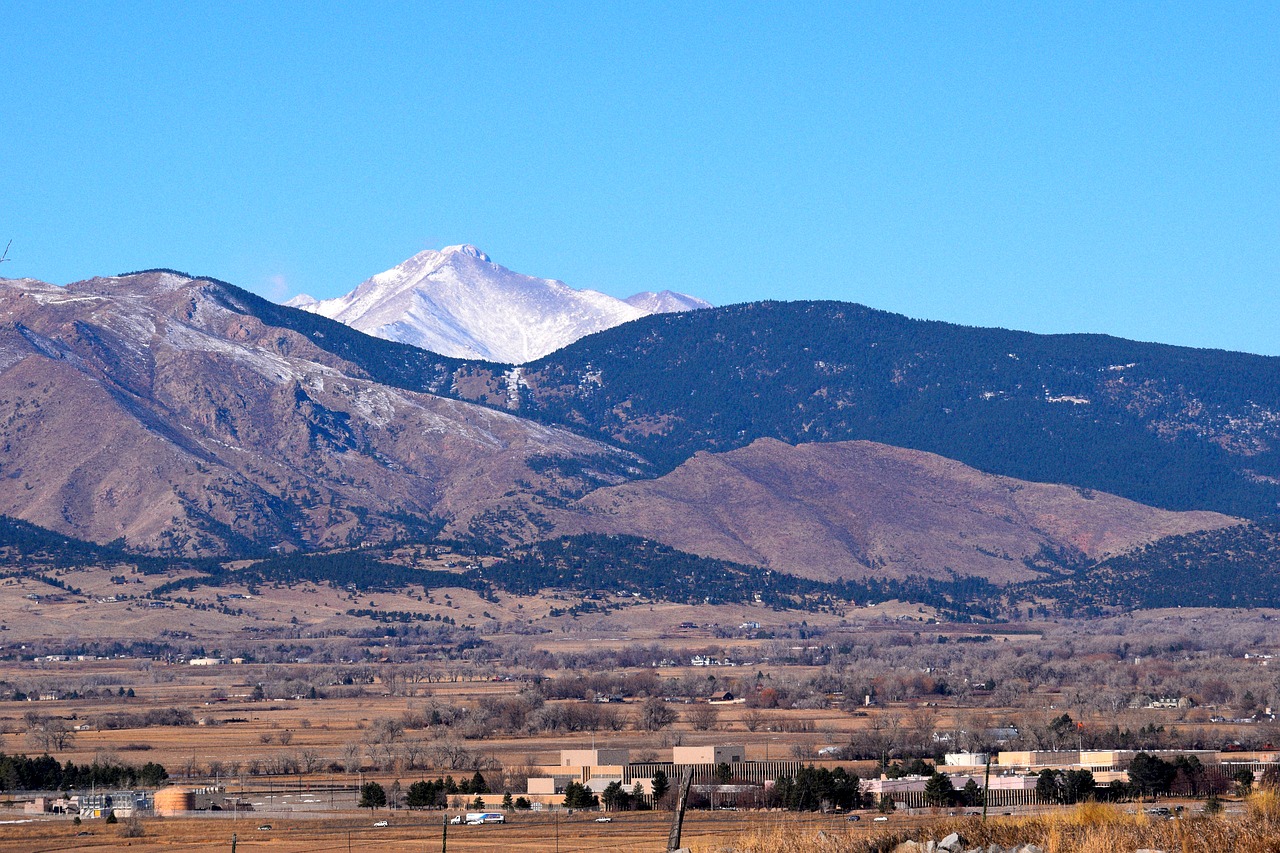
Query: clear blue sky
1108	167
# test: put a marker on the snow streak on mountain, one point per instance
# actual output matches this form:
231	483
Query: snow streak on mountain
666	302
457	302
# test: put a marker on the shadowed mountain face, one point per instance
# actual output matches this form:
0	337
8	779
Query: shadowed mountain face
1169	426
853	509
156	408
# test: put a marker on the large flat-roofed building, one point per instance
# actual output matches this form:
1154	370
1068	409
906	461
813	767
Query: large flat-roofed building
1001	790
1038	758
597	768
550	785
593	757
708	754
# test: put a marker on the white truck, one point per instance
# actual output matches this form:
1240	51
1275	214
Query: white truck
478	818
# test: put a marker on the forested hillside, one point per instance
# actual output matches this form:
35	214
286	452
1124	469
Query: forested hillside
1169	426
1234	567
1173	427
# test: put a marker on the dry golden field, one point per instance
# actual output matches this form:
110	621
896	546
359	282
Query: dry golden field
640	831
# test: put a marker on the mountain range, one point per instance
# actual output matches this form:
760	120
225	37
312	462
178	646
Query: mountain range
458	302
159	410
185	416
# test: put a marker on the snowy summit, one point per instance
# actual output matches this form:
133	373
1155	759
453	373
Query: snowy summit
459	303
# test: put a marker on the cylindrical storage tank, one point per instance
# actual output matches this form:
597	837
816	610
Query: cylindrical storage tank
172	801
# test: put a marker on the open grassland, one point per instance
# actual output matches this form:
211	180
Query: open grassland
1087	828
418	831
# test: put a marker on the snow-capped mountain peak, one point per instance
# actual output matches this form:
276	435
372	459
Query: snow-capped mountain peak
465	249
458	302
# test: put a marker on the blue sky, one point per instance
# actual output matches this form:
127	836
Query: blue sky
1053	167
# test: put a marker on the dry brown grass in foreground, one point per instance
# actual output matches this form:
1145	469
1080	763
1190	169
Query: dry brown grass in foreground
1088	828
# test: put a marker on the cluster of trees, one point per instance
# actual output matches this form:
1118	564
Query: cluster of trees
940	791
1153	776
44	773
423	794
404	616
145	719
812	789
617	798
1065	786
361	570
631	564
579	796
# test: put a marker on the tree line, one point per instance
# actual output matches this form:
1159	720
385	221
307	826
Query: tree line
44	773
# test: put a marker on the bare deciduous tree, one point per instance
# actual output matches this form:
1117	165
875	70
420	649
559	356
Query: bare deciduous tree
703	717
47	733
655	715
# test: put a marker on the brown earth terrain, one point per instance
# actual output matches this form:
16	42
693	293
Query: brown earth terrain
147	408
858	508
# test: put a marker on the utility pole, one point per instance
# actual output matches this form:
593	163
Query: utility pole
986	787
677	820
233	842
444	836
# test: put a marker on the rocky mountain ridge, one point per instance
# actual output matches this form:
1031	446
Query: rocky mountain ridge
157	409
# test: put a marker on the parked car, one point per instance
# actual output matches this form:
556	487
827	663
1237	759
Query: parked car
855	817
382	823
266	827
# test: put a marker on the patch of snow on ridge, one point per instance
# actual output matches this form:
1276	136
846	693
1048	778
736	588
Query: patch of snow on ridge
666	302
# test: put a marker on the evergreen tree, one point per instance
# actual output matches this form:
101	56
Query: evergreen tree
1049	786
939	791
421	795
1077	786
614	797
578	796
1150	776
372	796
661	784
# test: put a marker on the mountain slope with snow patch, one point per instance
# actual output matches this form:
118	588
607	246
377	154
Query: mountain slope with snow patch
666	302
